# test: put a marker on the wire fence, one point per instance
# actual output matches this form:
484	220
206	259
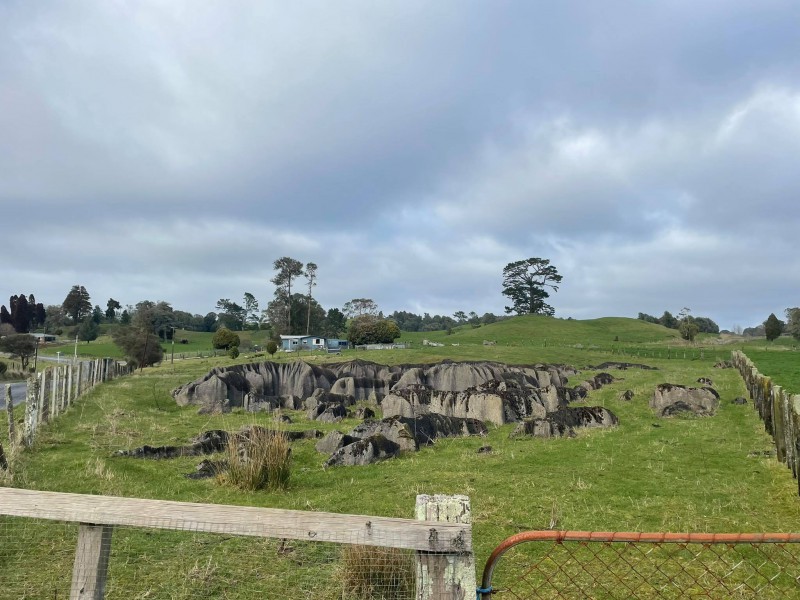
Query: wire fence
550	564
173	550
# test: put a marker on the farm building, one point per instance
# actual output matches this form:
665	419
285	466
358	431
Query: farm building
311	342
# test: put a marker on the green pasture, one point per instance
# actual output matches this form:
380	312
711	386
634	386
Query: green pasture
712	474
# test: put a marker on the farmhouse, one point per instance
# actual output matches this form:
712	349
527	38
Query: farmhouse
290	343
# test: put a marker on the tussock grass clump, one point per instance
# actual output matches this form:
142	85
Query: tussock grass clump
372	573
257	458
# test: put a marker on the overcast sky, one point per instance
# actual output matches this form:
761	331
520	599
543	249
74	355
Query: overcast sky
173	150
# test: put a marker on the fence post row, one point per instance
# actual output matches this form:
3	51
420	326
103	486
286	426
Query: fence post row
779	409
53	390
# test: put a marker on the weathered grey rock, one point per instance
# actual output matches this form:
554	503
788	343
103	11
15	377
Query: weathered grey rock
564	421
268	385
208	468
327	413
723	364
627	395
423	430
622	366
321	396
493	401
364	412
669	399
705	381
739	400
602	379
211	441
333	441
485	450
364	452
395	429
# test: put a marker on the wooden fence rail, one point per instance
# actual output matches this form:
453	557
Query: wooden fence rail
442	534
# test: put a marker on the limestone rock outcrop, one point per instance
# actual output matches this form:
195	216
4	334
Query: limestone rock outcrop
565	420
670	399
377	440
484	390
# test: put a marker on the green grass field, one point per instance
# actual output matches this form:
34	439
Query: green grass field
648	474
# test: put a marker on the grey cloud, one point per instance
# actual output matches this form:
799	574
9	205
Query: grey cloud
174	150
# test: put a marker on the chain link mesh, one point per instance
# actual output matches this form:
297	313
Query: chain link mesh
623	570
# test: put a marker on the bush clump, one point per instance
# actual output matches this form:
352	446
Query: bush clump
271	348
257	458
225	339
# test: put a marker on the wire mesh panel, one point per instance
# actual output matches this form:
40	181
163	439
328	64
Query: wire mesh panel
37	560
584	565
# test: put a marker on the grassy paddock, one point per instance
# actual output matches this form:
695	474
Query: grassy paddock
648	474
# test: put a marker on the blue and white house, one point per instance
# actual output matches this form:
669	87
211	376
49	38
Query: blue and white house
290	343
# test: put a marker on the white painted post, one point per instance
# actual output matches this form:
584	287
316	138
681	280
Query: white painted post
91	562
445	575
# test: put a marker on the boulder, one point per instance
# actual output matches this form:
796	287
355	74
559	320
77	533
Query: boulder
214	440
627	395
494	401
327	412
364	452
739	400
622	366
208	468
670	399
333	441
410	434
564	421
364	412
723	364
705	381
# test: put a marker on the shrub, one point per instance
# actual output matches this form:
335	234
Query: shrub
233	352
271	348
377	573
224	338
257	458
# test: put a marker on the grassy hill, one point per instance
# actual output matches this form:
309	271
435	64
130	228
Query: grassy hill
678	474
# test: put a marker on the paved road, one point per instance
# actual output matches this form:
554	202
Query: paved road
17	393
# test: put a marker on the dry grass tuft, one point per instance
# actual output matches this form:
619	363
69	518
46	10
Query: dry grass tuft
372	573
257	458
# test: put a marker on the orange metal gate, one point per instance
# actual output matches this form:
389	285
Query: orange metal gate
580	564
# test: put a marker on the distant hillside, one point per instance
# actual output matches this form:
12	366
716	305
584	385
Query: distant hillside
538	329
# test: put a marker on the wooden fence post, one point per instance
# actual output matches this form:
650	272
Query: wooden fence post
91	562
31	411
445	575
12	435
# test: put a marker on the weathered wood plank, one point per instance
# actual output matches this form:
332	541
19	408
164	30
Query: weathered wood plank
90	569
450	575
239	520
